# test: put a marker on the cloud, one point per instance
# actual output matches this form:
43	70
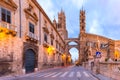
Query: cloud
74	53
78	3
48	7
95	25
96	28
111	12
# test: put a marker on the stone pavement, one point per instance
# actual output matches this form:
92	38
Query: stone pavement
102	77
98	76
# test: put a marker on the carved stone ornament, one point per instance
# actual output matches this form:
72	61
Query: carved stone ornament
10	4
31	14
46	29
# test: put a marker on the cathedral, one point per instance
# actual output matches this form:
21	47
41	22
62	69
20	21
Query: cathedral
89	45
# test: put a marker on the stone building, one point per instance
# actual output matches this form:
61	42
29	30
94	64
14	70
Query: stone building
90	44
29	41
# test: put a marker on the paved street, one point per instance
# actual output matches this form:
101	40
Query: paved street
67	73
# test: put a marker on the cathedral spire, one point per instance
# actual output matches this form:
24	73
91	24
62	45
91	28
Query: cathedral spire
82	21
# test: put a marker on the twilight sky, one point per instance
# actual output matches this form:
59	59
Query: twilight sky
102	16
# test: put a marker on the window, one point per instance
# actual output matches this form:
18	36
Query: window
5	15
59	25
45	37
45	23
82	20
31	27
56	45
103	45
51	41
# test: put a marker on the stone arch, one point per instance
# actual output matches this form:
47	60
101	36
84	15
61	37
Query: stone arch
34	48
29	61
68	47
76	40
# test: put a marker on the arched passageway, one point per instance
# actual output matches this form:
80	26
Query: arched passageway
74	53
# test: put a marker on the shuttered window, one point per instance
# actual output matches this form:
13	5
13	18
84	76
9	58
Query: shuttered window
5	15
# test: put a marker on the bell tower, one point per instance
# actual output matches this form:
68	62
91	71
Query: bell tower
82	36
61	26
82	21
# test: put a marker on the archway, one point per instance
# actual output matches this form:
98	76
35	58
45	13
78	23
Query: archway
73	49
29	61
74	53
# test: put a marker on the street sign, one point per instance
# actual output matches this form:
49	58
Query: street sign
98	54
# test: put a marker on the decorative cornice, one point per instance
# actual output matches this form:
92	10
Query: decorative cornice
45	44
31	14
9	4
46	30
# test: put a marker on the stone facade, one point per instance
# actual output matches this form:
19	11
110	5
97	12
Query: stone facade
27	33
91	43
88	44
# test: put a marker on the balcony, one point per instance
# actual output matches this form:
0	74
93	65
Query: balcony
8	28
31	37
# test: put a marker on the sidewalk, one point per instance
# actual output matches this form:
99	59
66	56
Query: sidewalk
100	76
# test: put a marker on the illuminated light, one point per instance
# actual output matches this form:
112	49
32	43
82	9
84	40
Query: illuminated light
116	54
69	58
50	50
2	33
63	56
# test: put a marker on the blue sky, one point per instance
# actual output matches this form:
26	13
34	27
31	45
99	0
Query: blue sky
102	16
